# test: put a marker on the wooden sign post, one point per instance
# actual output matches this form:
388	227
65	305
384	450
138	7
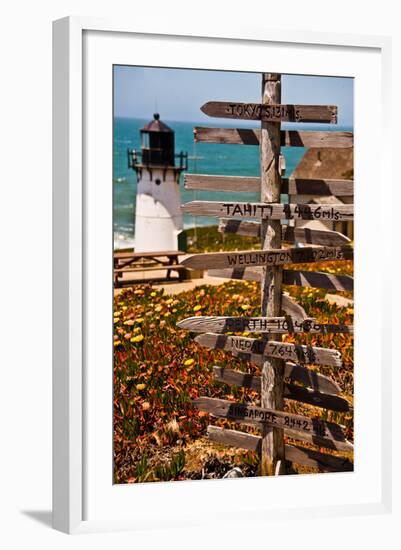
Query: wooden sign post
285	372
272	383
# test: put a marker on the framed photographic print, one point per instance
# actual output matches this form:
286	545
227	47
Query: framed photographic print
217	306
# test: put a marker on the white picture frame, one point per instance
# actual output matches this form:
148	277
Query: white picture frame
83	50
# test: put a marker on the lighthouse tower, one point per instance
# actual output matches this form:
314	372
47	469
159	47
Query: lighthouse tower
158	217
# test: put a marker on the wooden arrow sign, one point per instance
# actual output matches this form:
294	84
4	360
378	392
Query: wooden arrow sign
289	186
291	391
289	352
270	211
298	455
271	113
249	414
289	234
252	258
289	138
312	279
268	325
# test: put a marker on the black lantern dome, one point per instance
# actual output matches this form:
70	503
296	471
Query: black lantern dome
157	143
157	148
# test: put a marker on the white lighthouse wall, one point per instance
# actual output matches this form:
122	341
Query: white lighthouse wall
158	217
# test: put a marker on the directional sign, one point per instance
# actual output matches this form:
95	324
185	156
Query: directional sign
271	113
312	279
252	258
248	414
289	186
269	325
298	455
271	211
291	391
289	234
289	352
289	138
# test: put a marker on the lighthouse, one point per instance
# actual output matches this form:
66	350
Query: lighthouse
158	217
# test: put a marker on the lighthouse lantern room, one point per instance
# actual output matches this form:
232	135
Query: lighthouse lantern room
158	217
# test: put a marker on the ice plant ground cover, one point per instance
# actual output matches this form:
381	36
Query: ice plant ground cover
159	369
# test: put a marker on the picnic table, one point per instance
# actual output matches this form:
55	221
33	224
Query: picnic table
131	262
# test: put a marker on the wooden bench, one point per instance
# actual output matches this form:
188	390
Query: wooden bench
134	262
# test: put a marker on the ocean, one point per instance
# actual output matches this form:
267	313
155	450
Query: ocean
203	158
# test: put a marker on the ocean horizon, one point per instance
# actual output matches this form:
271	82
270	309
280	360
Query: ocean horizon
203	158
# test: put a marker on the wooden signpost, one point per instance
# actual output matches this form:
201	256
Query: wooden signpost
291	391
311	355
289	234
268	325
312	279
271	211
289	186
271	113
270	257
285	371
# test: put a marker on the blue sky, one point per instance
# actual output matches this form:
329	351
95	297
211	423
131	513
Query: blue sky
177	94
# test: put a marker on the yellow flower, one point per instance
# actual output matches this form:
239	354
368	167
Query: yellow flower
137	338
116	319
245	307
197	308
137	329
129	322
158	308
139	320
189	362
140	386
153	294
170	301
117	342
145	405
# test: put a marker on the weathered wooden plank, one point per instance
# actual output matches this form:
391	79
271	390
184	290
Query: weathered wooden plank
253	258
252	415
237	273
293	453
289	186
222	183
268	325
290	352
292	138
290	307
318	279
314	236
240	227
318	187
235	136
312	279
271	211
271	112
291	391
297	373
289	138
289	234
